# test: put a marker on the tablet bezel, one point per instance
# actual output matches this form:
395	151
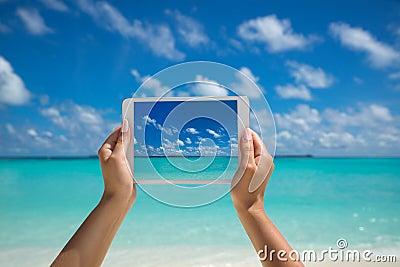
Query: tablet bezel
128	109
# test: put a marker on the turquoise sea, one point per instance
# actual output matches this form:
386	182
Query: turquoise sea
313	201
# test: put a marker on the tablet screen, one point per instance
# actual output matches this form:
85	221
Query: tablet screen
186	141
200	135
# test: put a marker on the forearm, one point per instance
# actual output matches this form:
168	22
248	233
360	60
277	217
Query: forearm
90	243
264	234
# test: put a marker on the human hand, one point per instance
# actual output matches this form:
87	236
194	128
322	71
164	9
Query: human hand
118	180
247	192
90	243
251	178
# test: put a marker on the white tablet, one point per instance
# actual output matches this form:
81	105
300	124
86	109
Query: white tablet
185	140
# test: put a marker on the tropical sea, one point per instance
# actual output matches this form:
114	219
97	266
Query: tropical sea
313	201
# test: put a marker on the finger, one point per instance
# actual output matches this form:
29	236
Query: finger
246	149
263	161
123	139
108	146
258	144
264	169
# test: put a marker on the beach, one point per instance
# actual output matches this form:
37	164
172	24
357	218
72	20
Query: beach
165	256
313	201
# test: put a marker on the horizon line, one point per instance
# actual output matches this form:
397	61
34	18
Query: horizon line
309	156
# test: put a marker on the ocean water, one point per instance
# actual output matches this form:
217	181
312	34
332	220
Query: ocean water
313	201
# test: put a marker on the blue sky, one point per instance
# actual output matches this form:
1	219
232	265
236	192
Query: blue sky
330	70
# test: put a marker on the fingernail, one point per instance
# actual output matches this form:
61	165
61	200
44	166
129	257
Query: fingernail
125	126
247	135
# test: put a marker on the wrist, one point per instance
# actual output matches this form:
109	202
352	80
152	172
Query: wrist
120	199
256	207
251	215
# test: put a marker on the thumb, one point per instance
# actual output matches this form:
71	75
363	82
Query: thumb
246	149
124	139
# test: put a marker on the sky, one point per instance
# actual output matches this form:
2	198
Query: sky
330	70
186	128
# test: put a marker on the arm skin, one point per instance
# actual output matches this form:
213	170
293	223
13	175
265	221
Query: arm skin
256	164
89	245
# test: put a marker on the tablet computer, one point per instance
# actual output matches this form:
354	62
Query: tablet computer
185	140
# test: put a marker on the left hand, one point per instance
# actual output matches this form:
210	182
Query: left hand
118	180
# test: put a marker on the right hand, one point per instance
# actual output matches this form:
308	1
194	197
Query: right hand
251	178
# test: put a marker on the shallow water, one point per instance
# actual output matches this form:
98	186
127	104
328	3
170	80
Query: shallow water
314	202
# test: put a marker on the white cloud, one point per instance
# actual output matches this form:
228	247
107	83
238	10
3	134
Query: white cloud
192	131
201	86
32	132
380	112
150	121
48	134
55	5
245	84
306	77
12	88
10	128
153	122
213	133
310	76
33	22
207	87
262	119
15	140
336	140
368	116
44	99
394	76
188	141
277	35
302	118
365	130
54	114
293	91
208	150
150	83
378	54
284	135
88	115
169	147
207	147
180	142
357	80
74	130
73	117
4	28
41	140
190	30
156	37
